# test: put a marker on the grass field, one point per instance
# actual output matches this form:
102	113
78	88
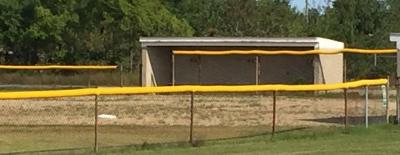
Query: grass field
378	139
36	138
375	140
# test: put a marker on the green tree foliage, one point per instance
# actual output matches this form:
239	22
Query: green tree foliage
394	15
107	31
82	31
10	25
258	18
361	24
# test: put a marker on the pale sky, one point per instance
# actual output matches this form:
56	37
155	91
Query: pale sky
300	4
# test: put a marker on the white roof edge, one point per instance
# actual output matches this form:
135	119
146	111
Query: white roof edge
225	39
231	41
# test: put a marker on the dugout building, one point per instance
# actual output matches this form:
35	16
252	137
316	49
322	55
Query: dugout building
160	67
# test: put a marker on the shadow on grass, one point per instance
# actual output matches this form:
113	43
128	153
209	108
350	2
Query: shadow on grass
149	146
353	120
196	142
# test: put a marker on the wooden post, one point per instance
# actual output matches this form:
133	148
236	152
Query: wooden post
397	99
257	70
173	70
55	79
387	100
140	75
41	78
191	117
273	113
346	118
366	107
96	147
121	76
199	70
345	68
89	79
130	61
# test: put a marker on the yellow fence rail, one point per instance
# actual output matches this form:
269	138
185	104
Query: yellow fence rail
64	67
182	89
280	52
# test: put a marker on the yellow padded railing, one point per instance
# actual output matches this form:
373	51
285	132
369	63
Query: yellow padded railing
64	67
282	52
182	89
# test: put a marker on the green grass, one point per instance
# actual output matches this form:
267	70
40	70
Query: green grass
375	140
378	139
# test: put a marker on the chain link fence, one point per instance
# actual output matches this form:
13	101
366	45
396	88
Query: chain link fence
46	124
64	79
140	120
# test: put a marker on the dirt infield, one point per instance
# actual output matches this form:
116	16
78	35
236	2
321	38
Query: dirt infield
170	110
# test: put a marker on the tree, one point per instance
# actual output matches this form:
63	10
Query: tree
10	25
264	18
107	31
84	31
360	24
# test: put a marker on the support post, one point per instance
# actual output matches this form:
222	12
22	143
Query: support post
397	99
96	147
346	118
41	78
141	83
366	107
121	76
395	37
387	100
199	70
130	61
273	113
173	70
344	68
191	117
55	79
257	70
89	79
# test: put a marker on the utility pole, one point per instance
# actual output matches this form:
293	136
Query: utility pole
306	11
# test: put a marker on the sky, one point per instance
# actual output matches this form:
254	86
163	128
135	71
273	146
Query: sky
300	4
